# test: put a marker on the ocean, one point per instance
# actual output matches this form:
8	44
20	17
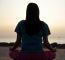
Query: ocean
51	40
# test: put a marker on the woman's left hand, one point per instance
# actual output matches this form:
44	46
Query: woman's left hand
53	50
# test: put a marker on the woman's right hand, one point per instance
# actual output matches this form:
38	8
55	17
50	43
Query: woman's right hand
11	49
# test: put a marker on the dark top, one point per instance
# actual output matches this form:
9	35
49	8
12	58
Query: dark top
32	43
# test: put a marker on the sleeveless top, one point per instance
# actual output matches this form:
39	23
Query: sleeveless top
31	43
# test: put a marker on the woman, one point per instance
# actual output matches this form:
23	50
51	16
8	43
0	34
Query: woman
30	32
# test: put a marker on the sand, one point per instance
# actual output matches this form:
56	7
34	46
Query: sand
4	51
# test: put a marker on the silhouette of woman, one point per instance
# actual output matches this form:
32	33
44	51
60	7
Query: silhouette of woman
32	32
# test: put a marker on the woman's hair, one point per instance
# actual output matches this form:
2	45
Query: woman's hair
32	22
32	11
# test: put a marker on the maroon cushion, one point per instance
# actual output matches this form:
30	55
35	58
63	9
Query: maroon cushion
19	55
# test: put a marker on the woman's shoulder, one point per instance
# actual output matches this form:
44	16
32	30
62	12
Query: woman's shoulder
44	23
21	21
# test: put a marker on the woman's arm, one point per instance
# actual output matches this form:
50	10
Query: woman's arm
47	44
17	43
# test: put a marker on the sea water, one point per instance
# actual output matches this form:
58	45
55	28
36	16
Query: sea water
51	40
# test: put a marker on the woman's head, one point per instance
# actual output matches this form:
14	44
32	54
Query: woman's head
32	12
32	19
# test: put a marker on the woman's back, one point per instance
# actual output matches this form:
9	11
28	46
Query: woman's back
31	43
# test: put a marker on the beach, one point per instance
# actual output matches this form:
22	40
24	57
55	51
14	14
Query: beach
4	51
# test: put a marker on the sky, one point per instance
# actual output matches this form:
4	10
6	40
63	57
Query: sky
51	11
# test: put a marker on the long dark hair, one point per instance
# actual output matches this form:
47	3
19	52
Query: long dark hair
33	23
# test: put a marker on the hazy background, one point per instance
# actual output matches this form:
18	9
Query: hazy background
51	11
